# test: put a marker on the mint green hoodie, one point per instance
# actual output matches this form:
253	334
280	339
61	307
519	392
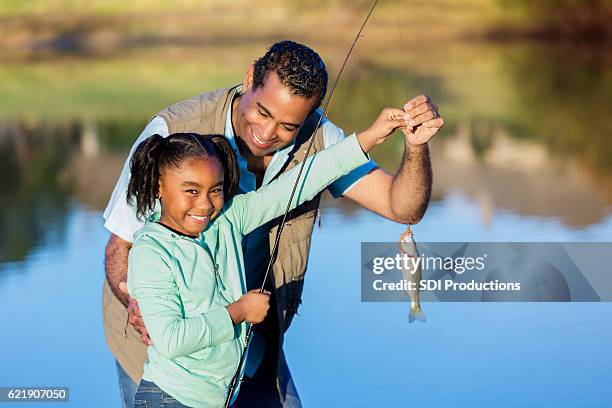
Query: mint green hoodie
182	285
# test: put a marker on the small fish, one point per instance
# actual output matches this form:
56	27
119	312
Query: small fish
408	246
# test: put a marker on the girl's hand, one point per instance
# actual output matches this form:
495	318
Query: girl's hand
385	124
252	307
419	121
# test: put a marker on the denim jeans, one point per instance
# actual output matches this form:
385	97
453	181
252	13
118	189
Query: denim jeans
150	395
127	387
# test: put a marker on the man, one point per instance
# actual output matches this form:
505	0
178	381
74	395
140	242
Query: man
269	120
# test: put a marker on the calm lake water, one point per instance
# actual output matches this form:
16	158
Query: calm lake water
525	156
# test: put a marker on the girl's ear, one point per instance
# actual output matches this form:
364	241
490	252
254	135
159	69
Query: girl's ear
159	189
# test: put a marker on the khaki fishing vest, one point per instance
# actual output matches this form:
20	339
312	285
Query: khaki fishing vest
206	114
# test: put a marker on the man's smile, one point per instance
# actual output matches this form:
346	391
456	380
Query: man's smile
261	144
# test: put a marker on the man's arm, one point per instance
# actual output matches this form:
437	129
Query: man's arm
403	197
116	265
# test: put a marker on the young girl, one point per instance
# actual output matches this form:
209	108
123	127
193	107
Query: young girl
186	268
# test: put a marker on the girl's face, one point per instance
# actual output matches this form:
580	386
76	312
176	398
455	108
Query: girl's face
191	195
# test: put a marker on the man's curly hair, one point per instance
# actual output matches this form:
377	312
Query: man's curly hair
298	67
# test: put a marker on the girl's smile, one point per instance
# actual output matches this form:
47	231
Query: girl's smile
200	219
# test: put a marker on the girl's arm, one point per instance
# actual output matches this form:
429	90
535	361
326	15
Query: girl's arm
151	283
249	211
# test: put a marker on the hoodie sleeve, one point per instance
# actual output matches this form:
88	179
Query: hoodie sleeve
151	283
249	211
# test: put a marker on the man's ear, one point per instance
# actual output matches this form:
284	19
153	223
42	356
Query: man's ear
247	84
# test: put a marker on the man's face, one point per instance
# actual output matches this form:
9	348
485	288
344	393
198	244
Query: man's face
269	117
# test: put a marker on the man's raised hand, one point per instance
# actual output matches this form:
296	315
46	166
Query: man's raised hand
423	122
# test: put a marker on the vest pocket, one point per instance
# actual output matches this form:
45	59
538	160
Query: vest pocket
299	228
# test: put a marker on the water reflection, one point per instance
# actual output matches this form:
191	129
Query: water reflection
563	100
519	175
46	166
35	192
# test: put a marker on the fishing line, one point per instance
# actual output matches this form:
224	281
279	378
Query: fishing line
400	19
408	232
237	376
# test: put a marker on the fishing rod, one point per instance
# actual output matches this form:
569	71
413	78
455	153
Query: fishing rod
249	334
